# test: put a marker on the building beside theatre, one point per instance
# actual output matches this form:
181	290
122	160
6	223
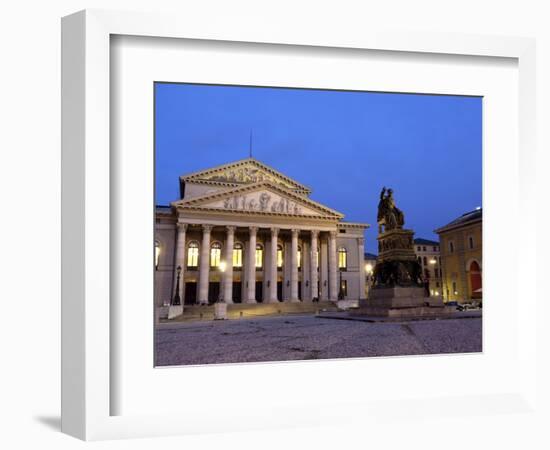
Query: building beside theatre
427	253
246	233
461	257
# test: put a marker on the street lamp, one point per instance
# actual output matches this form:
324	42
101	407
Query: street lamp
176	301
223	266
368	270
341	292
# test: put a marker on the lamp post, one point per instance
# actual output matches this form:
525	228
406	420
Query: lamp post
223	266
341	291
433	262
368	270
176	301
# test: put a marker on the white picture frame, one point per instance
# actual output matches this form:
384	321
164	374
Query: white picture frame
87	317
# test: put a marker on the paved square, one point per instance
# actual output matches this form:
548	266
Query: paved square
286	338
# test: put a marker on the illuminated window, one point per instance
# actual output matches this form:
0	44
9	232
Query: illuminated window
259	256
157	254
342	258
280	256
215	254
193	254
299	257
238	255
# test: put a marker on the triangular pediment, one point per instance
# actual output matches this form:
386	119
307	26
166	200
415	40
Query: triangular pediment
260	198
246	171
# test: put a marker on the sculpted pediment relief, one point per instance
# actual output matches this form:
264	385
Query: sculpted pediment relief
263	198
248	171
246	175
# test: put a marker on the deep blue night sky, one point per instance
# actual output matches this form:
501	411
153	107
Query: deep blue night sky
344	145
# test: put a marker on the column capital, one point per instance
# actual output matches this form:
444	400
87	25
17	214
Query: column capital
207	228
295	232
274	231
332	234
230	228
253	230
182	226
315	234
361	241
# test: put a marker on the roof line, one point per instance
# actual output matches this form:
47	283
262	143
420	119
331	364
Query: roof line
242	161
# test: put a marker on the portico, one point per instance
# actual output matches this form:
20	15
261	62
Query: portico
244	233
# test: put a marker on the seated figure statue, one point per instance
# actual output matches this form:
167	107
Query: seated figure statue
389	216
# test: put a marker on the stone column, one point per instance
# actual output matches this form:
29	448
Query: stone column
272	298
180	261
204	266
251	266
314	275
332	267
228	275
294	267
362	273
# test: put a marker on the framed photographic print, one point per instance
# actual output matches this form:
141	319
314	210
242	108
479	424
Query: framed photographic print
252	218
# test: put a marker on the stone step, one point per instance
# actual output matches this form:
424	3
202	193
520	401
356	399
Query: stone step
239	310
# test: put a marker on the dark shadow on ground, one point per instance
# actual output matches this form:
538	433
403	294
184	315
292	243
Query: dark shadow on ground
51	422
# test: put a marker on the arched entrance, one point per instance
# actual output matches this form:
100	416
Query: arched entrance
475	280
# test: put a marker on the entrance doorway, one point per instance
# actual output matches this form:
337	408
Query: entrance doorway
190	293
237	291
259	292
475	280
213	291
280	291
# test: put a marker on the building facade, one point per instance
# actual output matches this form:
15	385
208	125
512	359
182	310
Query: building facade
461	257
429	258
246	233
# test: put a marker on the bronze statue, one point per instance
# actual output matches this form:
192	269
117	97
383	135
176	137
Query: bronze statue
389	216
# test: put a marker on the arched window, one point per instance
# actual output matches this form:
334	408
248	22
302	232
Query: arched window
259	256
193	254
215	254
280	256
238	255
471	242
451	247
157	254
342	258
299	257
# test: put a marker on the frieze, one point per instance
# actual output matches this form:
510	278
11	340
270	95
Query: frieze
245	175
263	203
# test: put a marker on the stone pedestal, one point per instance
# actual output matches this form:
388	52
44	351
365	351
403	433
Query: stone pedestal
220	311
175	311
401	302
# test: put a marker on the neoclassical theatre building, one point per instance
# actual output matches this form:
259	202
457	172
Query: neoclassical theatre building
246	233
